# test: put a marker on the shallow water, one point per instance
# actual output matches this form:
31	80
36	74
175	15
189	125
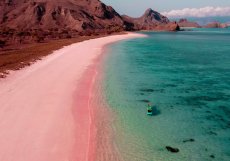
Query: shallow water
186	76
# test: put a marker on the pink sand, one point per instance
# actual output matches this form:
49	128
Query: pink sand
44	108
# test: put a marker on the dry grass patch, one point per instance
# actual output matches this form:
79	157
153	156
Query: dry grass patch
17	59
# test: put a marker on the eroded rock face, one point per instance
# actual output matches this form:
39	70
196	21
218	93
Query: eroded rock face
40	11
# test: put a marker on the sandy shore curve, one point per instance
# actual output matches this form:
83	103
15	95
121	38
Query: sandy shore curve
37	120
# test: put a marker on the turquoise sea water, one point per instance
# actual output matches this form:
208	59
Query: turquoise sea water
186	76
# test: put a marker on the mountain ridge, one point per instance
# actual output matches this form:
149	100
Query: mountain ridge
151	20
25	21
46	14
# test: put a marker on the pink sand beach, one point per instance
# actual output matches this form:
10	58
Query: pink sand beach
45	109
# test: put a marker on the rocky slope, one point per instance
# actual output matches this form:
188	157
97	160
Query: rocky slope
26	21
186	23
67	14
150	20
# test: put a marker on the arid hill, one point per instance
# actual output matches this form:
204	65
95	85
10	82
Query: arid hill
216	25
62	14
27	21
186	23
150	20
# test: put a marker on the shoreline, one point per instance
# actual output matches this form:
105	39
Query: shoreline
27	54
39	105
95	102
102	144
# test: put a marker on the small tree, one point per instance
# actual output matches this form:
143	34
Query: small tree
39	38
2	43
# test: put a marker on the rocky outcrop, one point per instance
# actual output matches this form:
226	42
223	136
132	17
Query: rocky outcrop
171	26
150	20
216	25
186	23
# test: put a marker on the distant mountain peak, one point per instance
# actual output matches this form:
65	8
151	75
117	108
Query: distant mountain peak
148	11
151	15
150	20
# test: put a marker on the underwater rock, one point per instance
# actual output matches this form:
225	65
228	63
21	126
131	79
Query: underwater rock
188	140
161	90
170	85
171	149
147	90
212	156
146	101
187	92
212	133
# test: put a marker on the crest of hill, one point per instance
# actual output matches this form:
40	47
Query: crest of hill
67	14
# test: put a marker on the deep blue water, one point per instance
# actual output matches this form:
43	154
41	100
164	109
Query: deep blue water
186	76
